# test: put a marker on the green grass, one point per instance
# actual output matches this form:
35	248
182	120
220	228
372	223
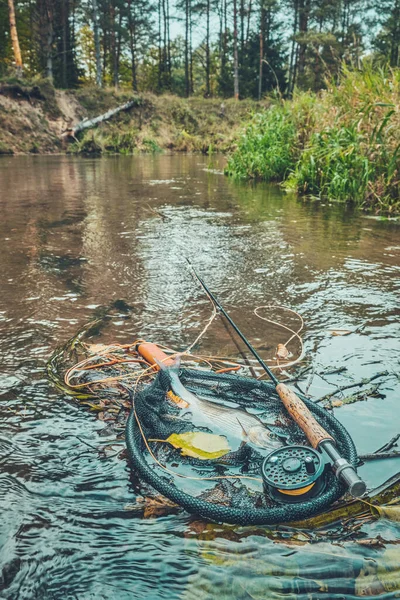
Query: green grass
342	144
265	151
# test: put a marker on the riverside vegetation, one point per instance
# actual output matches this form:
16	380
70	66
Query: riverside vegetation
341	144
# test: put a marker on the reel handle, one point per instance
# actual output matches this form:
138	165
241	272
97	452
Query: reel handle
298	410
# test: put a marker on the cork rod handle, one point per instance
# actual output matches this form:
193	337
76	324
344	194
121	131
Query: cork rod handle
298	410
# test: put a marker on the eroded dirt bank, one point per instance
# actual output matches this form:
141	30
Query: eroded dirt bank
33	118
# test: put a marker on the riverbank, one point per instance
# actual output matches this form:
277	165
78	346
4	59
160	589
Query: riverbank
34	115
342	144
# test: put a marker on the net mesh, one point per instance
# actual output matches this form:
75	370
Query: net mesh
231	484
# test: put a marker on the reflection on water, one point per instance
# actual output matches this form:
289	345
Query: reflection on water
77	234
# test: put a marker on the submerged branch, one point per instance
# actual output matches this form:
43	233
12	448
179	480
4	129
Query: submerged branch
379	455
357	397
352	385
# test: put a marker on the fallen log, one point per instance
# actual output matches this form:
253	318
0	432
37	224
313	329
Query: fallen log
89	123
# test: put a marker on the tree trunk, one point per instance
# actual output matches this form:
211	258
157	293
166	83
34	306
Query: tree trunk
160	78
165	53
169	66
291	82
132	44
304	13
99	74
14	38
113	45
118	52
395	41
187	79
64	37
49	44
208	87
235	53
260	74
191	52
248	23
241	28
106	44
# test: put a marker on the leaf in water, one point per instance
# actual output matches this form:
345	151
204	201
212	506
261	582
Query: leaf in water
156	506
389	512
340	331
282	352
206	446
336	403
385	512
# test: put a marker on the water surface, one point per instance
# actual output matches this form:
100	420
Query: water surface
77	234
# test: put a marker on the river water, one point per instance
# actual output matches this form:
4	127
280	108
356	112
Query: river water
78	234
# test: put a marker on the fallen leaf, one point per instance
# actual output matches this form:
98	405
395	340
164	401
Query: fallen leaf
385	512
389	512
206	446
159	506
152	507
336	403
282	352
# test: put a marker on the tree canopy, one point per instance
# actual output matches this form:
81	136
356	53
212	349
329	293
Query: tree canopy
222	48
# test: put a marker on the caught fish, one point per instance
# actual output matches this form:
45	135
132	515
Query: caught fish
232	422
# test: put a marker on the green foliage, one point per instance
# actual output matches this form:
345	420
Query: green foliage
4	149
266	150
333	166
150	146
92	142
343	145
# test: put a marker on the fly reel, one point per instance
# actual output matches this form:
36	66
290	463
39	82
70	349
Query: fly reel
293	474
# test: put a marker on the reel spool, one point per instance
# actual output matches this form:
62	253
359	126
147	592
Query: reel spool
293	474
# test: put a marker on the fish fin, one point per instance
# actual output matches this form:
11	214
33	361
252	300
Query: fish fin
243	429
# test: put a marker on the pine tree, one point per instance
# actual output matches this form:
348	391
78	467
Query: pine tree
14	38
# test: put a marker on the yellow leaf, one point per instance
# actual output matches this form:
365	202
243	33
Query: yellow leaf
385	512
389	512
206	446
336	403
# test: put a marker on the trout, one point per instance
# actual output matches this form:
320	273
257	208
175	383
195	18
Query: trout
231	422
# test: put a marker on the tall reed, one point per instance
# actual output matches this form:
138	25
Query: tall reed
342	144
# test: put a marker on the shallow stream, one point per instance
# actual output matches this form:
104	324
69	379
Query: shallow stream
78	234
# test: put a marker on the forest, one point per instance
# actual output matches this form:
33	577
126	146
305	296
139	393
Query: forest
209	48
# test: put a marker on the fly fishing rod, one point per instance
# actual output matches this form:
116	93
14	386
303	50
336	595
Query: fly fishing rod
318	437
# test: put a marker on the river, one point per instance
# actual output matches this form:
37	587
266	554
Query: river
78	234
